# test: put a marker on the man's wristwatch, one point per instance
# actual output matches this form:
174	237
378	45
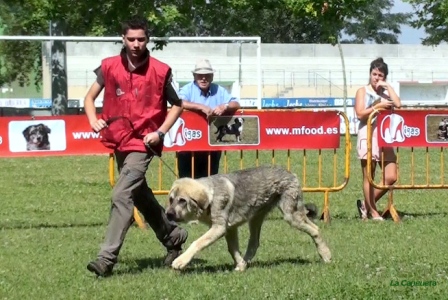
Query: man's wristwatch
161	135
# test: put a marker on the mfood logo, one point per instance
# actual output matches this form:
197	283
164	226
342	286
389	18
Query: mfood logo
393	129
178	135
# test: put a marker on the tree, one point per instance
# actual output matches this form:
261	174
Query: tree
21	58
276	21
376	24
431	15
293	21
272	20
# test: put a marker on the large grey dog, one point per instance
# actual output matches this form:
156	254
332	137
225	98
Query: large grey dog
226	201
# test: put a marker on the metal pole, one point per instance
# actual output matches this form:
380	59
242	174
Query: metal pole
59	87
344	75
239	64
259	73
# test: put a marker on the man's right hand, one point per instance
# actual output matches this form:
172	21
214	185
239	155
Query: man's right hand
207	111
98	124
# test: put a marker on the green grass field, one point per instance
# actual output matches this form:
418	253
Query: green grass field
54	213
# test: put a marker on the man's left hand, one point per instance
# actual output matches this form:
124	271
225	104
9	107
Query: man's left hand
218	111
151	138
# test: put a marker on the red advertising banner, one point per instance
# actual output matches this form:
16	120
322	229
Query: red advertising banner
48	136
263	130
413	128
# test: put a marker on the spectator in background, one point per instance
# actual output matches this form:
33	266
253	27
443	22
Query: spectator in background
378	94
209	99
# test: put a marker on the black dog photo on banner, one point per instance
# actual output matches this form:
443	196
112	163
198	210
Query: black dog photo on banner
436	128
234	130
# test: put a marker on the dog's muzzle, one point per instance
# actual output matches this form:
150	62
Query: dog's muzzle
171	214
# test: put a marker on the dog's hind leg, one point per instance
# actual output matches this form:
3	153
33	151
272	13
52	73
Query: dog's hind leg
254	238
296	217
234	249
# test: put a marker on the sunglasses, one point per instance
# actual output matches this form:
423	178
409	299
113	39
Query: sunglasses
206	76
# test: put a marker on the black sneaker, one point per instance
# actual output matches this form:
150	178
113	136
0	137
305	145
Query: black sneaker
171	256
175	250
100	268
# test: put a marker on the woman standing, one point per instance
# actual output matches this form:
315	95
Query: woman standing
378	94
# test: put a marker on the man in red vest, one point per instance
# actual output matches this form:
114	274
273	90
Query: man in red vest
133	123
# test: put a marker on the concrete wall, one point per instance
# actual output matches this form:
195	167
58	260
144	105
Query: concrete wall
288	70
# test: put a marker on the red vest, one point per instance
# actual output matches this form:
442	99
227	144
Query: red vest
135	97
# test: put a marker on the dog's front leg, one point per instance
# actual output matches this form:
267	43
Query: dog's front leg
234	249
211	236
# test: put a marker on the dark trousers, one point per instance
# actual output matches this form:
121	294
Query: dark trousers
201	167
132	189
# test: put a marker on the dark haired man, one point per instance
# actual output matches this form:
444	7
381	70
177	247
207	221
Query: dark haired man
133	124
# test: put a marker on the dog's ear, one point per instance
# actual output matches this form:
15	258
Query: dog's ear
201	195
26	132
201	202
47	129
44	128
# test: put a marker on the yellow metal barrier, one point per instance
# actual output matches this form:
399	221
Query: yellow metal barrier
412	185
327	175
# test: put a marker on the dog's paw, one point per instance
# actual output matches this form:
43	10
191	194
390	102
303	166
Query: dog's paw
327	259
241	267
180	263
325	253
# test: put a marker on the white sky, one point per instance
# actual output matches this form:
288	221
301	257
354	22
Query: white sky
408	35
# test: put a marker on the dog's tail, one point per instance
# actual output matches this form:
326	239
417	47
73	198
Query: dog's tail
312	210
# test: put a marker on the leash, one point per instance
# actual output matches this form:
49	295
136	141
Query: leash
162	160
383	95
388	98
113	119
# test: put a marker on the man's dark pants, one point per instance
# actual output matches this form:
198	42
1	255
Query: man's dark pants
132	189
201	168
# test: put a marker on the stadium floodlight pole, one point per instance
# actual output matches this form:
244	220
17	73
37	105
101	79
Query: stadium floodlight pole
257	39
